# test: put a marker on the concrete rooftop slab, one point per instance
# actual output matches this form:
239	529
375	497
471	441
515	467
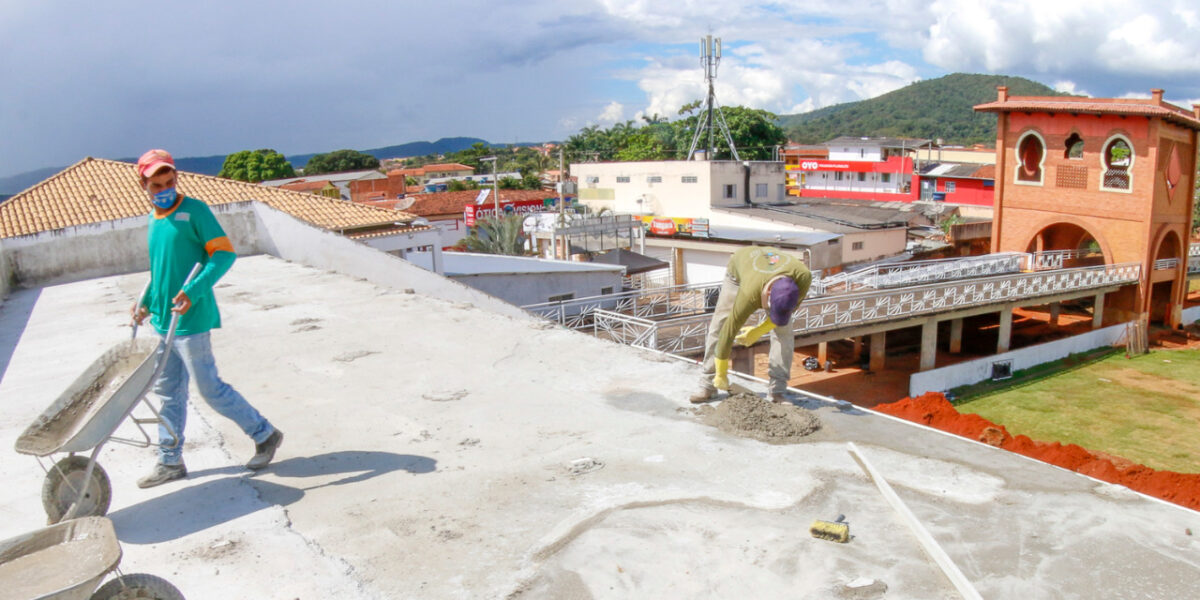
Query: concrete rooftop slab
437	450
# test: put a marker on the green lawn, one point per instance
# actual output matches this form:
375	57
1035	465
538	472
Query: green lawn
1145	409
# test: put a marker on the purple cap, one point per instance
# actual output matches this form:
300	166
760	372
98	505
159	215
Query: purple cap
785	295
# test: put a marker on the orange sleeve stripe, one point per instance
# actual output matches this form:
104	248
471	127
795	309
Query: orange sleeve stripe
218	244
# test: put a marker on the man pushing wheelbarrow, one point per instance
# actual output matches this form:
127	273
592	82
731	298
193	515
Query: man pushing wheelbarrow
183	232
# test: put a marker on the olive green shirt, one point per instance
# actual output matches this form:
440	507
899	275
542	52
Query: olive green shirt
751	268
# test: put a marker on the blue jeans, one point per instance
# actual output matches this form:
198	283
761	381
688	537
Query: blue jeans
191	356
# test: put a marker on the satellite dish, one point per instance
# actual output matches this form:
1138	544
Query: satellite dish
405	203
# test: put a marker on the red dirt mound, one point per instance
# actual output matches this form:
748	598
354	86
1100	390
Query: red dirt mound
934	410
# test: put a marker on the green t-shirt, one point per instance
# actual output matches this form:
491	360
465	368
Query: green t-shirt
751	268
187	235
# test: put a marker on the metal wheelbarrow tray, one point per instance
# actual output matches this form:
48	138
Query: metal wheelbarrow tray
92	407
68	561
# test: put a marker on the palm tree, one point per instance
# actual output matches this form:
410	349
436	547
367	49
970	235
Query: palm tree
505	236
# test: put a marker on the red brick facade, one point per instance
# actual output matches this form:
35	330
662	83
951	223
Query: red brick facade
1067	197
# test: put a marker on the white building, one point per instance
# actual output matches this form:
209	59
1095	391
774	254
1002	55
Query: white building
678	188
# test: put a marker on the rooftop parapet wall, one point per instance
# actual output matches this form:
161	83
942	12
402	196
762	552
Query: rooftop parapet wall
119	246
107	248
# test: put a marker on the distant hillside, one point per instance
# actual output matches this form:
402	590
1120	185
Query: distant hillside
211	165
442	146
937	108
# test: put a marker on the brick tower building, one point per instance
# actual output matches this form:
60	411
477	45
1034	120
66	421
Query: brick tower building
1103	179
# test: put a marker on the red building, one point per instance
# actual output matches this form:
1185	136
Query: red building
1111	177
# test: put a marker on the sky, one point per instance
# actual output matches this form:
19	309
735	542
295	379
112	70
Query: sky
112	79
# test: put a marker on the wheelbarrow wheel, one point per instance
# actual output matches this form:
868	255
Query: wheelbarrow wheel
138	586
61	489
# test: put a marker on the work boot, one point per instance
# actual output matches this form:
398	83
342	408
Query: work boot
704	394
264	452
162	474
780	398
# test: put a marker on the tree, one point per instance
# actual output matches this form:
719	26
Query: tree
340	160
505	235
509	183
458	185
256	165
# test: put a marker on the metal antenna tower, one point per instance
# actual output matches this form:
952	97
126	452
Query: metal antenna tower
710	57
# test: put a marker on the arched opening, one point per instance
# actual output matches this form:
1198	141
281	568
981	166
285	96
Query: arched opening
1166	266
1073	147
1031	152
1073	244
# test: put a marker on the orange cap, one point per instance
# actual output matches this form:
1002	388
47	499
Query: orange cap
152	161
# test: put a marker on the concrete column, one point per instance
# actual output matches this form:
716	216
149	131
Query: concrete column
822	352
1005	340
878	348
437	260
857	352
1055	308
956	327
1098	312
928	345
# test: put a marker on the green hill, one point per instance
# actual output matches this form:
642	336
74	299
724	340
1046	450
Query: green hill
936	108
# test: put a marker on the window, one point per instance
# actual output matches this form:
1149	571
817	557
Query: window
561	297
1031	152
622	179
730	191
604	291
1118	164
837	176
688	179
654	179
760	190
592	179
856	246
1074	147
862	176
887	177
950	186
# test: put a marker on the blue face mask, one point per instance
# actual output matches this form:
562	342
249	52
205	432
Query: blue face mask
164	199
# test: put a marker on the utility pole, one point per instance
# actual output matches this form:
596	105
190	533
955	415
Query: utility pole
562	180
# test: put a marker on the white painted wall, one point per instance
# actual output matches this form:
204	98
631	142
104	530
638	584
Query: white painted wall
966	373
602	185
108	248
289	238
705	266
532	288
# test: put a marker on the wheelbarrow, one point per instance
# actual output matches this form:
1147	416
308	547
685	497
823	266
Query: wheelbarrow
68	560
86	416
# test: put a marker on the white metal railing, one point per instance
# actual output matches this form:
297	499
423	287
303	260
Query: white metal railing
686	334
624	329
1193	264
1057	259
650	302
1165	264
1194	250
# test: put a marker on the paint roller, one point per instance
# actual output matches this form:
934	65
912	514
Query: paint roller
835	531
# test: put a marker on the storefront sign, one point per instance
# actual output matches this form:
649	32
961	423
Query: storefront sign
675	227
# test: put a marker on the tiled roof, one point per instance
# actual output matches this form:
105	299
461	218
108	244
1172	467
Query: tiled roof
94	190
444	203
1096	106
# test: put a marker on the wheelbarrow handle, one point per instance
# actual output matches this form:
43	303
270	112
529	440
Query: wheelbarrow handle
175	316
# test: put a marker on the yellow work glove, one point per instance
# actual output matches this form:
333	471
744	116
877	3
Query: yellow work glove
721	379
748	335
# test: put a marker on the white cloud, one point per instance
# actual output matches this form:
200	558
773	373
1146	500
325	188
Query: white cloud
612	113
1098	43
1069	87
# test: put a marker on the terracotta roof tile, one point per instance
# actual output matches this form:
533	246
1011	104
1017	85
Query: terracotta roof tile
444	203
94	190
1097	106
